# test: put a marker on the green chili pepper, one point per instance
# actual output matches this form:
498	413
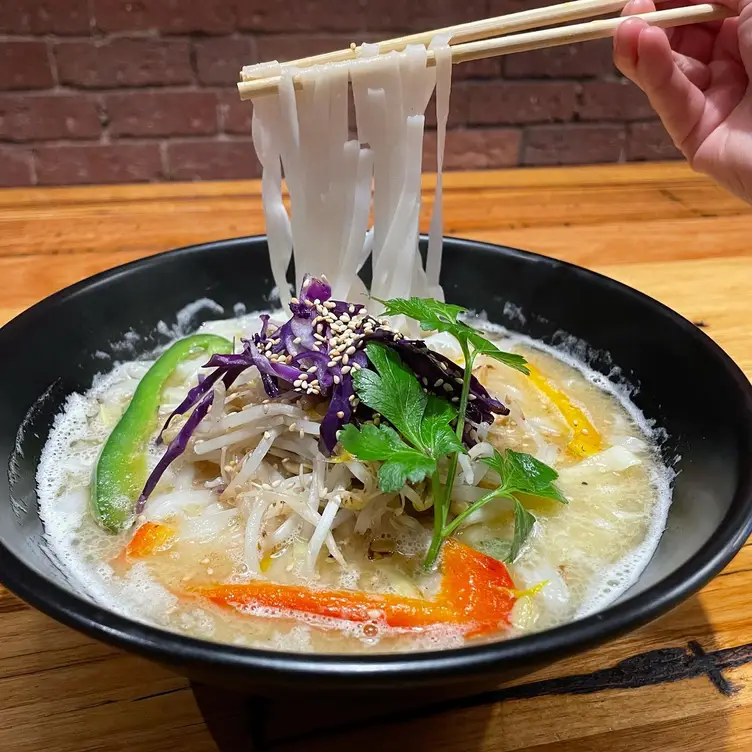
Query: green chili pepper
121	470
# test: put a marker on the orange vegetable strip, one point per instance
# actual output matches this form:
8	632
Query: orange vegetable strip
149	538
476	592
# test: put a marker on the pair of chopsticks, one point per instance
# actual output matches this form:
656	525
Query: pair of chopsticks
482	39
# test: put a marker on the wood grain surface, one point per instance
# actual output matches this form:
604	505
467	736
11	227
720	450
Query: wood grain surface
682	684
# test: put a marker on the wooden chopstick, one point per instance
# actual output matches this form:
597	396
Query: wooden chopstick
466	32
534	40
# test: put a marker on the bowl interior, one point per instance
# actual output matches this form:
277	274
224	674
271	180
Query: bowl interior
680	379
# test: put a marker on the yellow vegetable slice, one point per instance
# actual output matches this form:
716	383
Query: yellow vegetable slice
585	438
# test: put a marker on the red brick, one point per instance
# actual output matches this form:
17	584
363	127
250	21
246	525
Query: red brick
24	65
583	60
15	168
95	163
44	17
166	16
234	115
573	144
473	149
504	7
506	102
212	160
162	113
302	15
47	117
649	141
613	100
419	15
124	62
488	68
219	61
285	47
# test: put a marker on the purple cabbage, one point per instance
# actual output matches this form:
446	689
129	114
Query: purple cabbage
285	356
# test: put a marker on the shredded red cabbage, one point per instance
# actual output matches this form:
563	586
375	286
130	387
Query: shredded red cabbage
314	353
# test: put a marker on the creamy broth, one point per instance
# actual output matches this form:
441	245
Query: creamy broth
579	557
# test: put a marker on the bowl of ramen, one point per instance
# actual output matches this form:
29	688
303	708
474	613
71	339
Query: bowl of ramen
346	455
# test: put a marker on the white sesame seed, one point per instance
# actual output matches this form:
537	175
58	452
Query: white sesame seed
345	358
303	376
331	364
351	398
297	382
297	341
309	304
313	369
330	304
345	369
340	413
293	427
267	435
317	302
295	301
585	432
315	348
471	397
448	388
337	378
350	350
458	380
276	483
438	383
455	399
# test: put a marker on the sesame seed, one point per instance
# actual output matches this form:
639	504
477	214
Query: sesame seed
319	328
303	376
345	358
297	341
355	402
315	348
309	304
317	302
319	337
293	427
266	402
330	304
345	369
350	350
472	397
424	380
313	369
351	398
295	301
438	383
458	380
340	413
337	358
267	435
337	378
302	433
345	317
297	382
276	483
455	399
448	388
585	432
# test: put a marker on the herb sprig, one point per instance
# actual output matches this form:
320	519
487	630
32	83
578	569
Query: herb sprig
424	434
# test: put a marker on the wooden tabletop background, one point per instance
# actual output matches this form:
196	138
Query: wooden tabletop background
682	684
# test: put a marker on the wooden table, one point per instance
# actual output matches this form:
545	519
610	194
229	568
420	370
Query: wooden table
686	681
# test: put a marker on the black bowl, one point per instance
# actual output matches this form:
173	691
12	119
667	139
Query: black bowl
684	381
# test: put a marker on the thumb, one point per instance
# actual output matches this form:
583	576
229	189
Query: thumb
643	54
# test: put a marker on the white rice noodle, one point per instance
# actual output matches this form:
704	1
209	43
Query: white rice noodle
615	459
305	448
252	462
443	56
217	406
264	128
334	181
208	526
468	475
166	505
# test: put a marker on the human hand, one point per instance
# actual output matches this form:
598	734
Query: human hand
697	79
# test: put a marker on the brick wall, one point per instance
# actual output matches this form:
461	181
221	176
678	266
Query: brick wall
100	91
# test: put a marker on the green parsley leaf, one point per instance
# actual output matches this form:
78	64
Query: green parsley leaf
437	436
523	526
382	443
443	317
393	391
431	314
505	550
520	472
485	347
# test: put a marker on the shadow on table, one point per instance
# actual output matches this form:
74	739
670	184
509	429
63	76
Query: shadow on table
679	647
